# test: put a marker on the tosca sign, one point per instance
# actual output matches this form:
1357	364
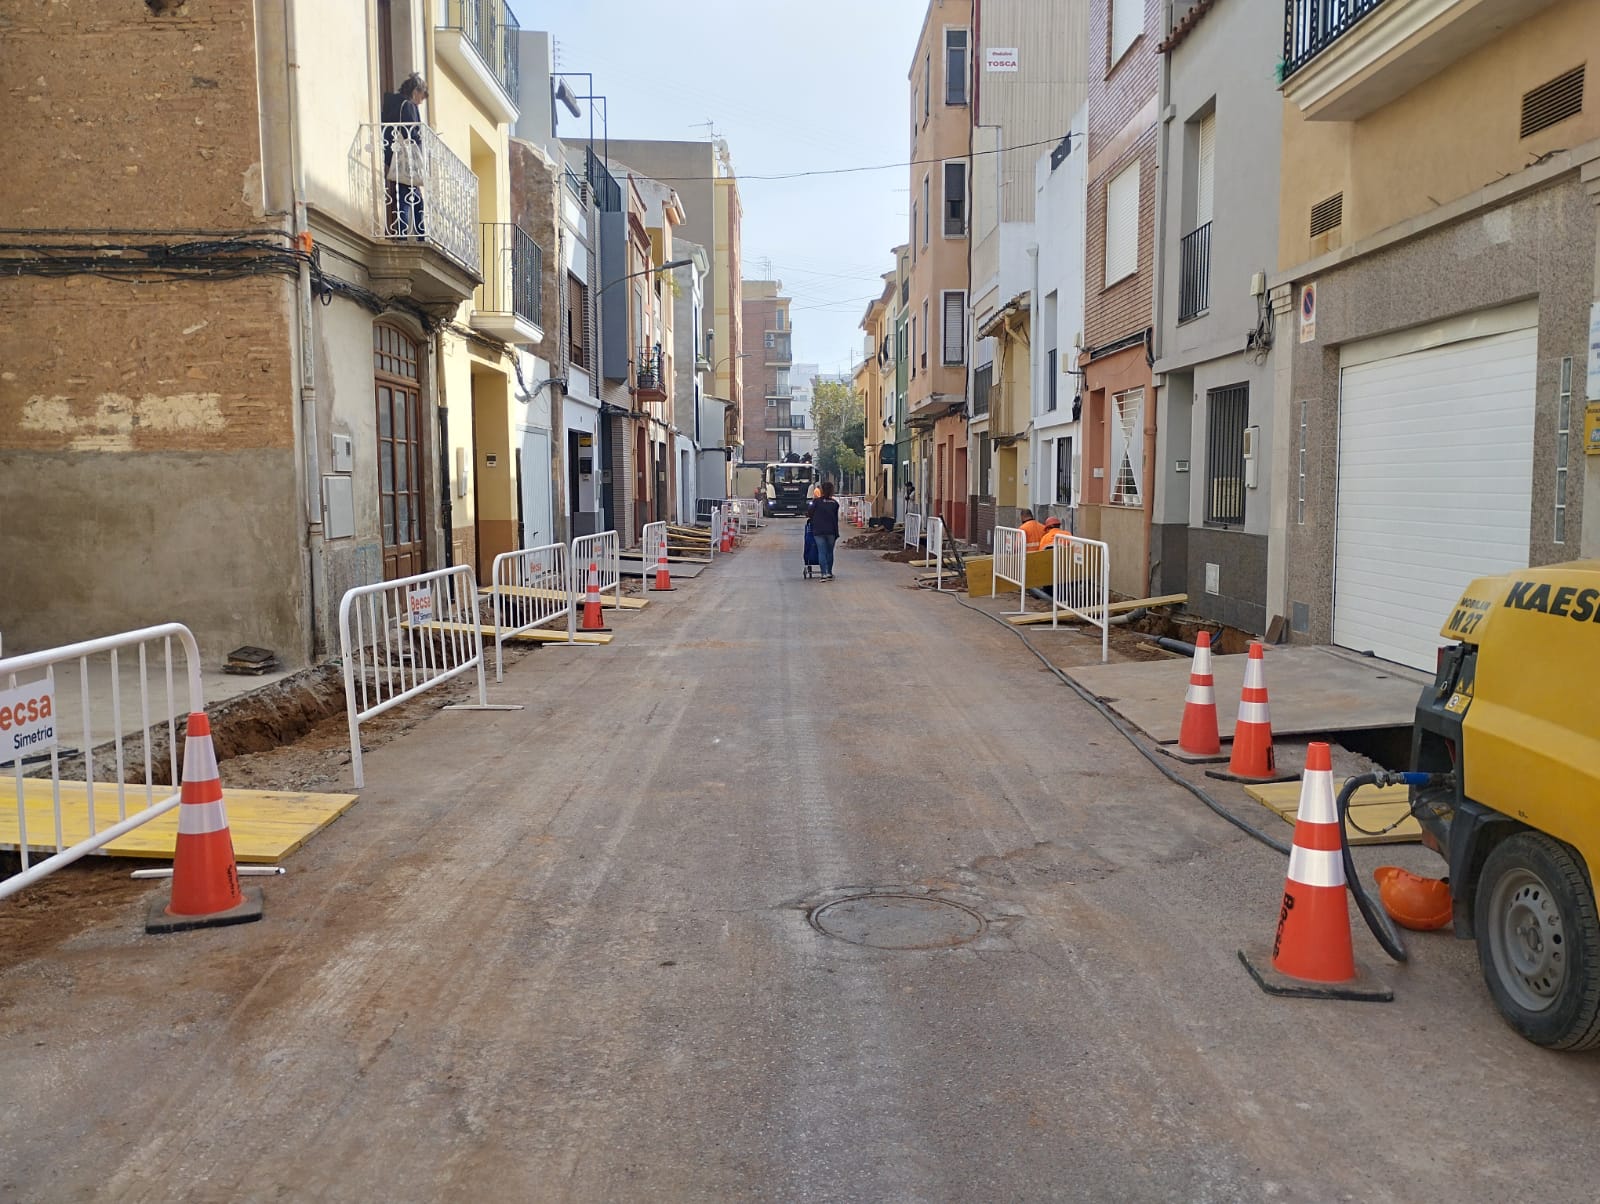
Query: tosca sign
27	720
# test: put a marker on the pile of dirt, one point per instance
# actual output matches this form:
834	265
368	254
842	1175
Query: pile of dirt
876	541
905	555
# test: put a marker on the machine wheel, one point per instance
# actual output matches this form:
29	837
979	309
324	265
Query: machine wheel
1539	941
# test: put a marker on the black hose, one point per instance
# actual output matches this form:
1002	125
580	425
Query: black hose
1116	721
1377	919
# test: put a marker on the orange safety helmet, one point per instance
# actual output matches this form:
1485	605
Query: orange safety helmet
1412	901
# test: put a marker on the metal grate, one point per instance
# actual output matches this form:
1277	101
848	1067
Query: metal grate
1325	215
1227	415
1553	102
1194	273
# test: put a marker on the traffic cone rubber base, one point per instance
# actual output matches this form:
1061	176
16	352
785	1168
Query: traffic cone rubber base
663	589
1224	775
1177	753
161	920
1363	988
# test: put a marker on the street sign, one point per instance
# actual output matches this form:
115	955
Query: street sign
1308	313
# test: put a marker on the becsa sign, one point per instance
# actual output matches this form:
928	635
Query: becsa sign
27	721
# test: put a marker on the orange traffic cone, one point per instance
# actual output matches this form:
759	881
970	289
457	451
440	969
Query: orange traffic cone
1311	954
663	577
592	618
1252	734
205	879
1199	732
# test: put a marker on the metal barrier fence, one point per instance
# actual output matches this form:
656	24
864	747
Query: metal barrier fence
913	529
602	550
1011	564
399	638
652	546
716	530
531	588
936	550
1080	584
41	711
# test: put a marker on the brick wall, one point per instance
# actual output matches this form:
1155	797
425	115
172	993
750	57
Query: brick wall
533	207
1128	305
1118	91
116	117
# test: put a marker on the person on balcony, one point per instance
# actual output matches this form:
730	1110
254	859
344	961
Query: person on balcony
405	156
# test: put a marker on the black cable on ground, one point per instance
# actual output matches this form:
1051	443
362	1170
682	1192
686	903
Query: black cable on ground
1127	733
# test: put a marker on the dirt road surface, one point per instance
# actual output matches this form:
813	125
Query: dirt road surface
564	953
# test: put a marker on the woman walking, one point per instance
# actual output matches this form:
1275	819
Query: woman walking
823	514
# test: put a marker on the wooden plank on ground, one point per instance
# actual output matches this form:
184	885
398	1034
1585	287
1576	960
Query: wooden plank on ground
1370	807
536	635
1117	608
266	825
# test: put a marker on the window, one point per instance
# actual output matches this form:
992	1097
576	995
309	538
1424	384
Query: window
925	215
1127	449
577	322
955	199
1050	379
954	342
985	461
982	383
922	351
927	84
1064	472
777	320
1127	23
1205	168
1122	224
955	66
913	356
1227	415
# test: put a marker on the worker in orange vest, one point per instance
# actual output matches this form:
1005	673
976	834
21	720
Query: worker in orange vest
1054	533
1032	530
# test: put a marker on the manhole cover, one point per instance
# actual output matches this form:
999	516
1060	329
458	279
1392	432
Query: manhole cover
898	922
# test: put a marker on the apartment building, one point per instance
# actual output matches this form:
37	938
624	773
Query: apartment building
765	367
1119	422
1029	76
874	384
1217	234
1434	302
940	81
302	374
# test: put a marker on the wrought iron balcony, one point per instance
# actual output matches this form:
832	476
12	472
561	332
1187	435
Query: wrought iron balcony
415	193
1194	273
650	383
509	302
1311	26
480	37
777	347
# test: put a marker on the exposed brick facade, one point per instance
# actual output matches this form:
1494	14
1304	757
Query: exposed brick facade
1128	305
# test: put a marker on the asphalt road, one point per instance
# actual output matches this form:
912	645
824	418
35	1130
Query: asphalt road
564	953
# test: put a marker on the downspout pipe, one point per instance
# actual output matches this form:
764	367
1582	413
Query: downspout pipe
305	342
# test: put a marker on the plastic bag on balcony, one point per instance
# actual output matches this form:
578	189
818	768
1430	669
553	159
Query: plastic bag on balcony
407	162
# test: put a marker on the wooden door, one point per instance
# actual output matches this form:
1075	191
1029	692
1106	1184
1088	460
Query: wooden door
400	453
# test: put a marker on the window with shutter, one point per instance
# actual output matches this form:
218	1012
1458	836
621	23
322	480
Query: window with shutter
955	327
1127	23
1205	170
1122	224
955	199
955	66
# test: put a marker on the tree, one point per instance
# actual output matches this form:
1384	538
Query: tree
841	431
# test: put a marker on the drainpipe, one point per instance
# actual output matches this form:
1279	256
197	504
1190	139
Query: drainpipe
1158	308
305	345
1036	393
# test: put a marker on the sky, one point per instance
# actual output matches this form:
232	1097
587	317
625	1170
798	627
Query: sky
793	87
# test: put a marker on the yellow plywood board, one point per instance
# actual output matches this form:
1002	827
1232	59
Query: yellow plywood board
1372	808
555	595
267	825
536	635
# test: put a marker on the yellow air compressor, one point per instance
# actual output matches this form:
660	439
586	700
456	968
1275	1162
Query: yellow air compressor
1511	730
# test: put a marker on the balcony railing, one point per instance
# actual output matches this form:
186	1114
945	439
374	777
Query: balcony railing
491	28
1311	26
649	380
1194	273
512	273
415	190
777	345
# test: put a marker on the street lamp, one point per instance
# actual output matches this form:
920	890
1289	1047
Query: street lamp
671	263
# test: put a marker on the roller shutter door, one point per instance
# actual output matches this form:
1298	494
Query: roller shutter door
1435	486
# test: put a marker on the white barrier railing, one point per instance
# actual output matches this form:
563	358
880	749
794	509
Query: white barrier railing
1080	585
602	550
531	588
717	521
652	546
40	711
936	550
1011	564
400	638
913	529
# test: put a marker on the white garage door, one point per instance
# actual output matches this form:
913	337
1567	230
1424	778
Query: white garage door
1435	486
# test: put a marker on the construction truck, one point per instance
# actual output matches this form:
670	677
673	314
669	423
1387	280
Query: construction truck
788	488
1509	736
